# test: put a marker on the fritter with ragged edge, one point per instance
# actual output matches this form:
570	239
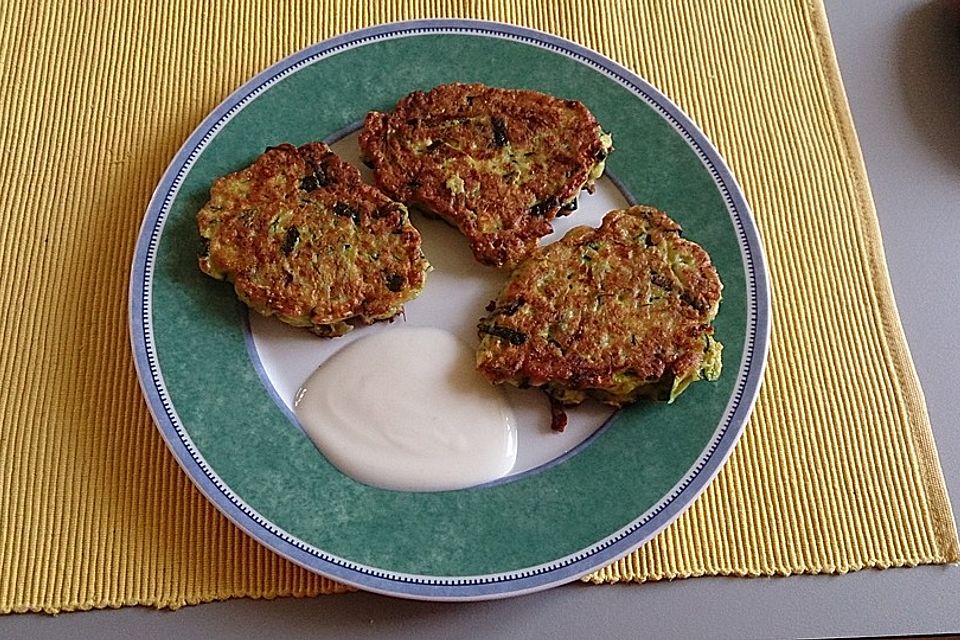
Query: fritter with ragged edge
301	237
499	164
613	313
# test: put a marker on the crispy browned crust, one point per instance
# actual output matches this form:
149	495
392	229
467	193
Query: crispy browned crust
614	313
499	164
301	237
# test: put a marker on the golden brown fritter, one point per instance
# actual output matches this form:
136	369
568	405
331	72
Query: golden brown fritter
614	313
499	164
301	237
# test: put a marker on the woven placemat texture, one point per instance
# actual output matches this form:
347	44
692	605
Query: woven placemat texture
837	469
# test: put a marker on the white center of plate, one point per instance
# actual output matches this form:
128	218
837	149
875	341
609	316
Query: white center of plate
454	299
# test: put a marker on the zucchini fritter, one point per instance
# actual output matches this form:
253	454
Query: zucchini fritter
499	164
613	313
301	237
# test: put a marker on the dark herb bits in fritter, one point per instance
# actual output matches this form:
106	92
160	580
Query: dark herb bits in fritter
512	336
499	131
544	207
290	240
346	211
512	307
394	282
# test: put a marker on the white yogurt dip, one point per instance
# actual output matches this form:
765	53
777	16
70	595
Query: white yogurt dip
405	409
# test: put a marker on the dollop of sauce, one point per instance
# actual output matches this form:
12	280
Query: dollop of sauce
405	409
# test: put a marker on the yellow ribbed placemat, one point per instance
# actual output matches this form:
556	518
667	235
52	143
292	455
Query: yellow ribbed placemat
837	469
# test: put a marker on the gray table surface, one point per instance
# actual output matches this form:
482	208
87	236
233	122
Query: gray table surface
901	67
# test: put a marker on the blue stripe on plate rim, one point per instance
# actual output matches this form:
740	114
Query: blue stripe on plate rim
442	588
